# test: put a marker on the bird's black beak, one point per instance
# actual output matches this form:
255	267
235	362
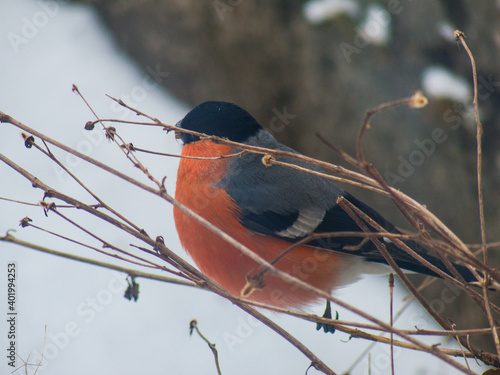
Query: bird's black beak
178	135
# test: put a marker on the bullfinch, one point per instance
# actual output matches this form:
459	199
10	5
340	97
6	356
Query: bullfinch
268	209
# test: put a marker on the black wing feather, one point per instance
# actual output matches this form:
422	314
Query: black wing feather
337	220
268	222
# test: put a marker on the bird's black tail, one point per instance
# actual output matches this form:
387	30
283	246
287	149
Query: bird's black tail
409	263
338	219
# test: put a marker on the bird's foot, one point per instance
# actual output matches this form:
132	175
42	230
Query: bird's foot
328	314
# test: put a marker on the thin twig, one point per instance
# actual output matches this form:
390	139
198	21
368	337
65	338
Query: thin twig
193	325
460	36
19	202
137	112
49	154
134	148
112	134
391	314
128	271
43	351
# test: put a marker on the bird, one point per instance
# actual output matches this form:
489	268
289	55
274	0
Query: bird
268	209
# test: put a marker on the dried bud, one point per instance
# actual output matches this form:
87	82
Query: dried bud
132	291
110	133
457	34
25	222
267	160
29	140
192	325
160	239
418	100
253	283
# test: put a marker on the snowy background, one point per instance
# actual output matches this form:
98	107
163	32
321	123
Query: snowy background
45	48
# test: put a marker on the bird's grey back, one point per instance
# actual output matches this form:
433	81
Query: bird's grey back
279	189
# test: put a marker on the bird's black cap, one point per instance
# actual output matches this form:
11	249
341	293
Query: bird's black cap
221	119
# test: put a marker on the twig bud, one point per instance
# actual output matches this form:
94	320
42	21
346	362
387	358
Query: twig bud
418	100
25	222
267	160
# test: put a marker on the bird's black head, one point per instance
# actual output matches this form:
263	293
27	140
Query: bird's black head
221	119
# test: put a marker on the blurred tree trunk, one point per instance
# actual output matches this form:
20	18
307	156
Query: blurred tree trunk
299	78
